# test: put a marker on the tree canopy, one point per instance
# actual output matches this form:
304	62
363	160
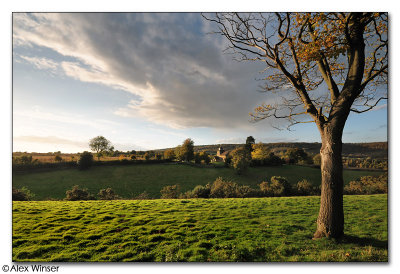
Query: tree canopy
100	144
307	54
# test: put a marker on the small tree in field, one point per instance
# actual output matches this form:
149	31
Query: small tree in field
100	145
187	150
85	160
241	159
324	66
57	158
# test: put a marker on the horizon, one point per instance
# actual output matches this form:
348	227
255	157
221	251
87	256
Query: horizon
144	81
127	151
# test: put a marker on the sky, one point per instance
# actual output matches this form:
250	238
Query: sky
144	81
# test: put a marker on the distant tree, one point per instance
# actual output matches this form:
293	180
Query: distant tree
186	151
169	154
197	158
146	156
296	155
178	153
241	159
100	145
317	159
250	141
85	160
260	152
205	157
57	158
159	156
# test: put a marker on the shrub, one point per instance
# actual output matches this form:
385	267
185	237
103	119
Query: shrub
368	185
223	189
143	196
278	186
201	191
170	192
77	194
85	160
304	187
108	194
246	191
57	158
22	194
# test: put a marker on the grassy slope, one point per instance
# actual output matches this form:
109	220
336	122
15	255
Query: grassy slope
258	229
128	181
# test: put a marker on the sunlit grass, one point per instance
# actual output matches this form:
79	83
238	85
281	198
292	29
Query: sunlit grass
254	229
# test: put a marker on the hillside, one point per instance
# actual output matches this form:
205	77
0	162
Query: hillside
374	150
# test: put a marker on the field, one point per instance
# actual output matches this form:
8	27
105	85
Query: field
129	181
253	229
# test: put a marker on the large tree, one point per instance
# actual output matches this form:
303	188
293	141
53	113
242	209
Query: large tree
321	66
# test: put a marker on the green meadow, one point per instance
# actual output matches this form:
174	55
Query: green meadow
199	230
130	180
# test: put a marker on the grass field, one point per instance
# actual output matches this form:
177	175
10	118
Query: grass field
252	229
129	181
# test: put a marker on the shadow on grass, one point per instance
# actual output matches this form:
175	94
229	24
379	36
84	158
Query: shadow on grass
362	241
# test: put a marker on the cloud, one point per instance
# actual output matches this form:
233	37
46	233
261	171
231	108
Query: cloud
64	118
49	140
178	72
40	63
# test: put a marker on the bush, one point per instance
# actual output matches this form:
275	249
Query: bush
108	194
223	189
77	194
142	196
85	160
22	194
247	191
201	191
170	192
57	158
368	185
278	186
304	187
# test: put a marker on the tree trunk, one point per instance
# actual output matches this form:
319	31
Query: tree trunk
330	222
